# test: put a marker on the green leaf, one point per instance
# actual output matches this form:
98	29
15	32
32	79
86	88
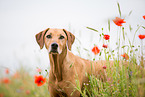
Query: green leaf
86	49
109	25
143	27
130	28
132	46
46	70
100	54
123	33
70	66
130	13
136	49
92	29
39	72
119	9
123	46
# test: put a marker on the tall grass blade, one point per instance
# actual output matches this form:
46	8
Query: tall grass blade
130	28
119	9
130	13
135	34
143	27
109	25
123	33
92	29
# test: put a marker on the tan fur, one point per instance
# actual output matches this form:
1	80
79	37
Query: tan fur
65	67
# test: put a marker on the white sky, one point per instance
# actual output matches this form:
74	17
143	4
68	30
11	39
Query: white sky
20	20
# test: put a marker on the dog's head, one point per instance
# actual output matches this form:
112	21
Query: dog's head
55	40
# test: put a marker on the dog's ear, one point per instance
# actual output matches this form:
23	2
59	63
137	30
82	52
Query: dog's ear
70	38
40	38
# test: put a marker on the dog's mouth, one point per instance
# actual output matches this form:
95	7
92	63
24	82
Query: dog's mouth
53	51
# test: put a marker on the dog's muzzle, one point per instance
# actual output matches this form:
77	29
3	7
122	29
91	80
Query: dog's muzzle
54	48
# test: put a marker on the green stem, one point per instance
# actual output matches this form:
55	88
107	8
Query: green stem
119	44
135	34
142	63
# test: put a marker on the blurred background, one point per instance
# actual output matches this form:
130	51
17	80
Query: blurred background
20	20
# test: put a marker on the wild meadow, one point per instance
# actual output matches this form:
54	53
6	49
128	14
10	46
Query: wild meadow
125	78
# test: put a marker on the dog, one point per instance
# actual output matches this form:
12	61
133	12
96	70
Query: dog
65	67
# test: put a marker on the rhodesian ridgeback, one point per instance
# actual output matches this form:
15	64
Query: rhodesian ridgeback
65	67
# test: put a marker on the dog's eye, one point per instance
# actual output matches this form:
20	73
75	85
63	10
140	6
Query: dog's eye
49	36
61	37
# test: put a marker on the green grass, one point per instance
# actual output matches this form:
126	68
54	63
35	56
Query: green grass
124	81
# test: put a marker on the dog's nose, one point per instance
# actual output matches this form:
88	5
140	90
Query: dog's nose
54	46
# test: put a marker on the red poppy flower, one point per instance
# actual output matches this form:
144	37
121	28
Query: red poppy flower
125	56
104	46
104	67
7	71
39	80
106	37
141	36
6	81
144	16
95	50
118	21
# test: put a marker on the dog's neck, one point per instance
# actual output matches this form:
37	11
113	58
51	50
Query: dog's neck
56	62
